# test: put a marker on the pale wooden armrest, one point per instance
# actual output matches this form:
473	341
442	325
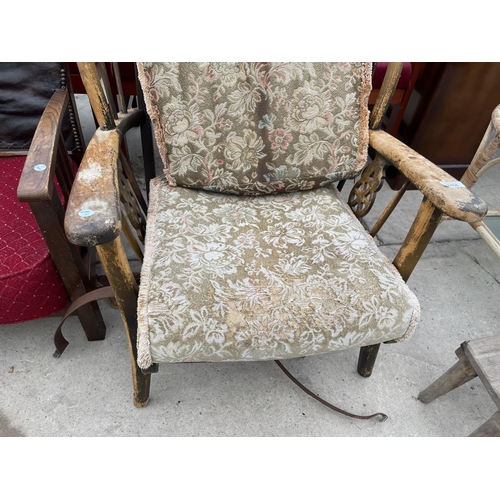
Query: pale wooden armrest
93	214
37	185
93	211
457	202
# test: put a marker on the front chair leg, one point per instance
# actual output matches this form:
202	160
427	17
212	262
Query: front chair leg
366	360
121	278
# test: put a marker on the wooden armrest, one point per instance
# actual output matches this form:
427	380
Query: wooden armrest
434	183
93	214
93	211
37	179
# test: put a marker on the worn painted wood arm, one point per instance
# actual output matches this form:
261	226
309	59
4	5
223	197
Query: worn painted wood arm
36	184
93	214
433	182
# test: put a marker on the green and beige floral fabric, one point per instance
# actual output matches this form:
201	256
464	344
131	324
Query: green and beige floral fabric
230	277
256	128
263	277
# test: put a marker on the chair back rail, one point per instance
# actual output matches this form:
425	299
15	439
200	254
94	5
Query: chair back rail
486	157
488	149
121	95
387	90
101	106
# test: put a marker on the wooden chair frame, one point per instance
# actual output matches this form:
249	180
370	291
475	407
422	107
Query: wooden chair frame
479	357
484	159
476	358
114	185
399	101
76	266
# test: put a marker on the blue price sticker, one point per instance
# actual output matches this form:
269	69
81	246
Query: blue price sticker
455	184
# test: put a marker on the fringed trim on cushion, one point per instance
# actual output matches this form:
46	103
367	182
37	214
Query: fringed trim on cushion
364	116
413	322
412	325
144	359
154	113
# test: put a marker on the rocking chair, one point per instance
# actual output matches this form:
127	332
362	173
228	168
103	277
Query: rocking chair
250	252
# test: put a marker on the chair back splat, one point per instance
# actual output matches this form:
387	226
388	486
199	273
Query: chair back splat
250	252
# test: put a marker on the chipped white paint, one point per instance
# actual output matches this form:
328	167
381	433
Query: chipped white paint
101	136
91	173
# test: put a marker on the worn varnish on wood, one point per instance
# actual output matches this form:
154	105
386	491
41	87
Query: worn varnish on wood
93	215
37	185
484	356
46	159
430	180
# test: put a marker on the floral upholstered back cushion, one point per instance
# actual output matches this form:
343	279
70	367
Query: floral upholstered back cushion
256	128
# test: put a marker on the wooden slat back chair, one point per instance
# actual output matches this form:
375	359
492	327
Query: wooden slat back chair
41	144
486	157
478	357
250	252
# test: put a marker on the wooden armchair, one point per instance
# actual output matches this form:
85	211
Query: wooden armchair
486	157
250	252
478	357
40	146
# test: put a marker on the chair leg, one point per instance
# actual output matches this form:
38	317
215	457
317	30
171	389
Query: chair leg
142	384
92	322
490	428
121	278
69	264
460	373
367	358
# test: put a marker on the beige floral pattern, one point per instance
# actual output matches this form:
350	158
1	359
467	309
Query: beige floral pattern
262	277
257	128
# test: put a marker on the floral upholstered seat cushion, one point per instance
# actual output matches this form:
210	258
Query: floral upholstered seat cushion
263	277
256	128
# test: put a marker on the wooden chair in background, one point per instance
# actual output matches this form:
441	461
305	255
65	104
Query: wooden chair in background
41	145
479	357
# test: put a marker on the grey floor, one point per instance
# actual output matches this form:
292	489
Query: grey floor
88	391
